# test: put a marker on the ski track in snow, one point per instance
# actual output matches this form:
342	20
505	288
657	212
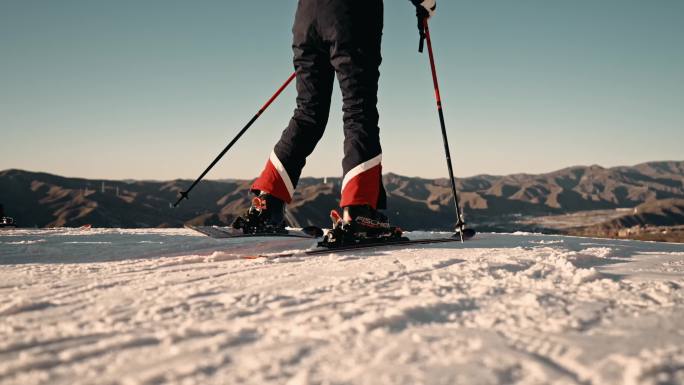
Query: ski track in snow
169	306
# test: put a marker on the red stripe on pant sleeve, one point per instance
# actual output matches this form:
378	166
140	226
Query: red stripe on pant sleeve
363	189
270	181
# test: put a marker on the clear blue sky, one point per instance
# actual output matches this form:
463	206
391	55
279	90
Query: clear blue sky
154	89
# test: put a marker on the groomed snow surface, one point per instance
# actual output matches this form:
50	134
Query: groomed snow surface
170	306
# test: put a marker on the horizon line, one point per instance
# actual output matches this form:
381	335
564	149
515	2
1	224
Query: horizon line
340	177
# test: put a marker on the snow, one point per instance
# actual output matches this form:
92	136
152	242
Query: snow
112	306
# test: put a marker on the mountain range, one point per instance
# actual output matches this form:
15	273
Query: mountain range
490	202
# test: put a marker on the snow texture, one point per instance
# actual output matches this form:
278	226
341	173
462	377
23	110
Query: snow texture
169	306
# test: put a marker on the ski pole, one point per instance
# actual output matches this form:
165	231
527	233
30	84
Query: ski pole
460	224
184	194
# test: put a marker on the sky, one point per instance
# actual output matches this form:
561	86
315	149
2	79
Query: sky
154	89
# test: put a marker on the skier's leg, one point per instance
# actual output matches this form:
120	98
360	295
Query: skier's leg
355	38
315	77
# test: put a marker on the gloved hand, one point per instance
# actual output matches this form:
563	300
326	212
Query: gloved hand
424	10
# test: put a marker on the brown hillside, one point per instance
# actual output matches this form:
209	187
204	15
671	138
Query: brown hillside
492	202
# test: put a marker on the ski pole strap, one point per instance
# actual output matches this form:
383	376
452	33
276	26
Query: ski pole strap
421	32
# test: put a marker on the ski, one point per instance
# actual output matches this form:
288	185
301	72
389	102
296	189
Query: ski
221	232
467	235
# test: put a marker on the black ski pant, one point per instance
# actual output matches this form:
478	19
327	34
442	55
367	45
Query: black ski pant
333	37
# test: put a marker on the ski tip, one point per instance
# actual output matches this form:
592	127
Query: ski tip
252	256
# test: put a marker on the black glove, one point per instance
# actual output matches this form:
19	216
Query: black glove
424	10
